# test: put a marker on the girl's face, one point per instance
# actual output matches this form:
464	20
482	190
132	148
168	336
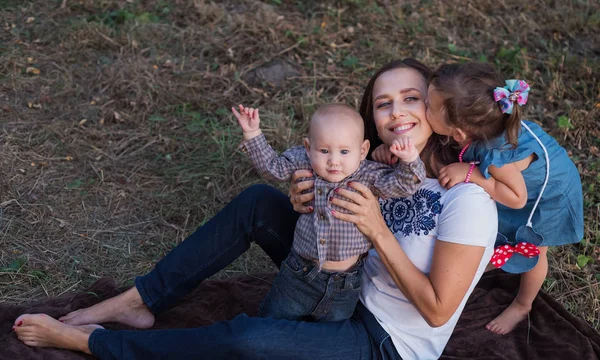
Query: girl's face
399	106
436	115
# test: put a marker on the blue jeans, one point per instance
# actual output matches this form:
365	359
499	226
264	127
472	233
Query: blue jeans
264	215
302	292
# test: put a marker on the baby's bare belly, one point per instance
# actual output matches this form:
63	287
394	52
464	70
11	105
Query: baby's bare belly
343	265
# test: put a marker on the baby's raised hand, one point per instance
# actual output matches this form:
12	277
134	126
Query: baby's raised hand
248	120
404	149
383	155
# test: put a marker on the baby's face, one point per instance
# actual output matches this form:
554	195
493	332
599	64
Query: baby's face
336	148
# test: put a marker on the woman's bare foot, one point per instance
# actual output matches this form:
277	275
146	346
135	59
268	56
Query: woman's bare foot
40	330
506	322
127	308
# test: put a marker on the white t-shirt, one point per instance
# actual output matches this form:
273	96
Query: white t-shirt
464	214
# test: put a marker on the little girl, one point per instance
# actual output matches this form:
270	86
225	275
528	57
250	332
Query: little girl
524	169
531	177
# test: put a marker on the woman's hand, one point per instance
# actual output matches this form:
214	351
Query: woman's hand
366	213
297	198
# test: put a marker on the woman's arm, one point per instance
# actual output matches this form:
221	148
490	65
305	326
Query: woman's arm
453	267
506	184
452	271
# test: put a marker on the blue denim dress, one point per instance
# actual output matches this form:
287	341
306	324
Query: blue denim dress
558	218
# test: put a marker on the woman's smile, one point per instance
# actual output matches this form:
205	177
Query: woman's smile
400	129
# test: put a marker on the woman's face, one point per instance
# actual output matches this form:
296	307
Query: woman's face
399	106
436	116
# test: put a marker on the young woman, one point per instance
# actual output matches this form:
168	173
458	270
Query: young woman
430	250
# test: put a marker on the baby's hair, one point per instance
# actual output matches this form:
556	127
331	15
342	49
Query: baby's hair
336	108
467	91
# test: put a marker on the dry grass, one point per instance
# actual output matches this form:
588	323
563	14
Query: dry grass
122	144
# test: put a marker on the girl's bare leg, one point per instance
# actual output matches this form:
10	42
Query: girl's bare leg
531	283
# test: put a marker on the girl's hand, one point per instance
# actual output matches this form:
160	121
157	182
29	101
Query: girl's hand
404	149
248	120
383	155
366	213
297	198
453	174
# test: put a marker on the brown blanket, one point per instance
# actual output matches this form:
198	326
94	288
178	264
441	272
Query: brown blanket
553	333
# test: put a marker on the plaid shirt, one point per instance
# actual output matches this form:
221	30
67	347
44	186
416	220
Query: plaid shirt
319	235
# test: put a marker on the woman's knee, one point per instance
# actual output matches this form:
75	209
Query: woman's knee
260	192
266	201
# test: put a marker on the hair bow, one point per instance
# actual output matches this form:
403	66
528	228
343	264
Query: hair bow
505	252
515	90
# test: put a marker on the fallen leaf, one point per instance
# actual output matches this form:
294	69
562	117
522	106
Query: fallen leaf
34	105
118	117
101	121
82	121
61	223
69	158
92	102
155	67
32	70
30	60
30	19
32	164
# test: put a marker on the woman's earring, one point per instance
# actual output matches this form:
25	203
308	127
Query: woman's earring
447	141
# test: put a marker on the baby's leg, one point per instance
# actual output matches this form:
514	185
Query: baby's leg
531	283
296	291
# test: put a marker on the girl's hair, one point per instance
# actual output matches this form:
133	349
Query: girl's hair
467	91
438	148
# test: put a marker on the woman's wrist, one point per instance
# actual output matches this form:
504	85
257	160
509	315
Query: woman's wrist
380	235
